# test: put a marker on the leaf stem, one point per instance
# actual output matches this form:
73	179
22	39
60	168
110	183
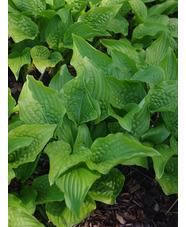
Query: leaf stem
40	209
41	76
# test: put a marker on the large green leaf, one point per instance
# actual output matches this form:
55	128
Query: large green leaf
161	19
148	29
158	50
39	104
106	188
124	47
77	6
16	60
152	74
34	7
118	24
61	78
11	103
45	192
18	142
103	158
61	159
42	57
139	9
99	17
18	215
77	101
173	27
21	27
97	85
81	49
11	174
61	216
169	180
24	171
125	91
75	184
159	162
174	144
163	97
83	138
83	30
156	134
57	27
40	134
141	120
138	161
126	120
167	8
57	151
171	120
170	65
67	131
125	63
55	4
28	197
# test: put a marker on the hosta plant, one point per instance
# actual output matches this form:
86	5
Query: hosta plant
119	107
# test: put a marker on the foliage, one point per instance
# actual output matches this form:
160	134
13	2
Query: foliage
121	108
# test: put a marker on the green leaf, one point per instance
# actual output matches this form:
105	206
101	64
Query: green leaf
23	172
103	158
99	17
11	103
139	9
159	162
156	134
18	142
40	134
99	130
106	188
16	60
21	27
173	27
39	104
152	74
42	57
138	161
33	7
158	50
18	216
83	49
82	30
125	91
45	192
55	4
83	138
174	144
125	48
61	158
75	184
77	6
168	7
11	174
126	120
67	131
57	151
97	85
61	78
169	180
141	120
77	102
163	97
28	197
60	215
123	62
170	65
171	120
148	29
161	19
118	24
